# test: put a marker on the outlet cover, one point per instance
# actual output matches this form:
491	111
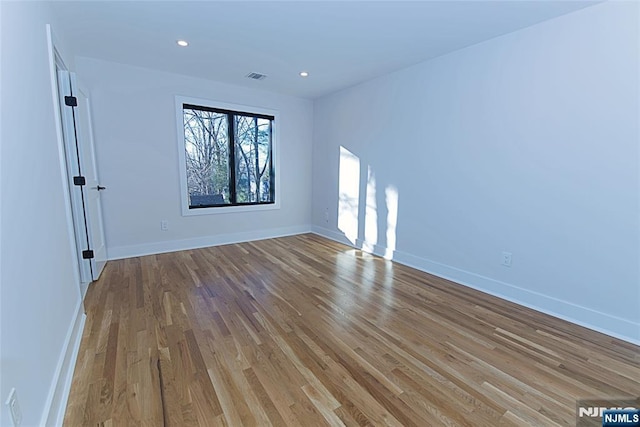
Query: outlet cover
506	259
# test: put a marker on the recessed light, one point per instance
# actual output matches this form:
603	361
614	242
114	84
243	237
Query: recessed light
182	43
304	74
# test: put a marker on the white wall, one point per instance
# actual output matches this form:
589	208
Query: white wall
40	294
135	133
527	143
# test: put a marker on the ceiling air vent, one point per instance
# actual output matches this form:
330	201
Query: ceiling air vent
256	76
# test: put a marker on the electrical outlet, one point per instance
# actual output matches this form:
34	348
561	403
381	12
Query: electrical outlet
164	225
14	407
326	215
506	259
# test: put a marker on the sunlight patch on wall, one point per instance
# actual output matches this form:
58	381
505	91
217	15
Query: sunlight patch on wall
391	197
349	193
371	214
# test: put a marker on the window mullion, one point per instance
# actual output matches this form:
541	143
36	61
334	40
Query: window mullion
272	178
232	158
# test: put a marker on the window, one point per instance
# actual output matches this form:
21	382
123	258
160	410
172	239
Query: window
227	156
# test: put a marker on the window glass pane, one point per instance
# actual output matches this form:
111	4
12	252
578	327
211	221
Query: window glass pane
253	159
207	153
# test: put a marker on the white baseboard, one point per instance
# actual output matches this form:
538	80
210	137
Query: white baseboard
120	252
331	234
54	410
565	310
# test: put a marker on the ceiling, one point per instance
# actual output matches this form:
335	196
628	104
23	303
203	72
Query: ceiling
340	43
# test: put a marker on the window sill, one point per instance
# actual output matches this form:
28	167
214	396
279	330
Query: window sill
229	209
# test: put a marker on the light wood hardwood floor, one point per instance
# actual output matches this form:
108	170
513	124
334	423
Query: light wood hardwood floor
302	331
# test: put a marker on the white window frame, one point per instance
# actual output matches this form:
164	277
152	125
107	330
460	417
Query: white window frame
275	158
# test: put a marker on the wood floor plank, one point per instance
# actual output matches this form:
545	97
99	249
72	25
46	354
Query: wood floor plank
304	331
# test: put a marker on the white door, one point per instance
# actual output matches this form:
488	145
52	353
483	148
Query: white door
83	180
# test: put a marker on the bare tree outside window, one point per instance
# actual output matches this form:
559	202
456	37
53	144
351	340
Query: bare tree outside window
253	159
207	153
228	157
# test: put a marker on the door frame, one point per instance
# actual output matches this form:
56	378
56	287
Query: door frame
55	59
70	150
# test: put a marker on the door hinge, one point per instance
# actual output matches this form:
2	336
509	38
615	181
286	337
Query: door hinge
88	254
70	101
79	180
